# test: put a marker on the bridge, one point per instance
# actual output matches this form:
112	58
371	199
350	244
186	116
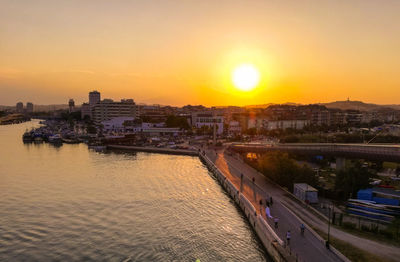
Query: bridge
373	152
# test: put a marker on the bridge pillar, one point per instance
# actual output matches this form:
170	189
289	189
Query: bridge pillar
340	163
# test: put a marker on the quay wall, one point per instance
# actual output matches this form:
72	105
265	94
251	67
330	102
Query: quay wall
155	150
270	240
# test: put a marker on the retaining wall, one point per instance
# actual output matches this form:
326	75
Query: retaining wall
155	150
270	240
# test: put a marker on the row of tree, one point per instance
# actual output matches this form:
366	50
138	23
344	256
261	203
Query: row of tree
285	171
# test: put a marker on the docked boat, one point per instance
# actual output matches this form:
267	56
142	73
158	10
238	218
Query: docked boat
38	139
71	140
55	139
27	137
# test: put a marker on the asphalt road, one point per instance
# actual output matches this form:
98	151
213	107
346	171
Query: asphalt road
306	247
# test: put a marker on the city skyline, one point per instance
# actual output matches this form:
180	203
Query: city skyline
178	53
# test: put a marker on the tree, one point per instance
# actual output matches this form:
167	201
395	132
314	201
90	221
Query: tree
177	121
204	130
285	171
352	179
251	131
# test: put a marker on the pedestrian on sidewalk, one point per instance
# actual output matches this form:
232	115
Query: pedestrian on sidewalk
302	227
268	212
276	220
288	237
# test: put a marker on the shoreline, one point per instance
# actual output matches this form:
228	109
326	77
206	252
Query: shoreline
269	239
171	151
271	242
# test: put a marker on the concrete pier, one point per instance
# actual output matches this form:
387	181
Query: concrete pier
155	150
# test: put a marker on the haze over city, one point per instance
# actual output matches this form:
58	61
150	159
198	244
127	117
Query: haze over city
200	130
185	52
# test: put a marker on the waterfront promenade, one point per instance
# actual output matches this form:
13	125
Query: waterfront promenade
290	214
307	247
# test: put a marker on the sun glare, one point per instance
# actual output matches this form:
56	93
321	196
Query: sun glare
245	77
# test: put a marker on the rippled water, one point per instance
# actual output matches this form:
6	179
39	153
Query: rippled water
72	204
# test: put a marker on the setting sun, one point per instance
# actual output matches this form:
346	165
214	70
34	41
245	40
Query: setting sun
245	77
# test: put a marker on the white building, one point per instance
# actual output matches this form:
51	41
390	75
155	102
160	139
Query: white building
234	128
200	119
255	122
125	125
107	109
284	124
305	193
116	124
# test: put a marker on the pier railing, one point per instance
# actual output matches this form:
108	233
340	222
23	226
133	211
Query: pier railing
271	241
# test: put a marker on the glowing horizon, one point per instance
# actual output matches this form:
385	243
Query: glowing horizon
180	53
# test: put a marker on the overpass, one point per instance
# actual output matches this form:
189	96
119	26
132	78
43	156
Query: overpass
373	152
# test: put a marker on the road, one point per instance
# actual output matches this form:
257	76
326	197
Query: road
233	166
307	247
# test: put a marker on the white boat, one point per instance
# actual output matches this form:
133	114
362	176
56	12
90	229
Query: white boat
55	139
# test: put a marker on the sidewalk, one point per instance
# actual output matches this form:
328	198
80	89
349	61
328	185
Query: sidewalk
307	247
236	166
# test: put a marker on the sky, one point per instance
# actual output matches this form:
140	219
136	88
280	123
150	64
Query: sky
183	52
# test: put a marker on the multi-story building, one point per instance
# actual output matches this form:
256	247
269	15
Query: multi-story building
107	109
234	128
353	117
284	124
29	107
94	98
208	118
154	112
321	117
19	108
71	105
85	110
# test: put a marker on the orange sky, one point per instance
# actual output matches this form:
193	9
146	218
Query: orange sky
183	52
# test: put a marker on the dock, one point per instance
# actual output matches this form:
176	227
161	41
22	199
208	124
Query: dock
172	151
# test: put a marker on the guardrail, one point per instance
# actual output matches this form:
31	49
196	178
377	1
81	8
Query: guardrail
373	152
271	241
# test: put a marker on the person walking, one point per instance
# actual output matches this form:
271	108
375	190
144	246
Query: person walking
276	220
288	237
268	212
302	227
270	201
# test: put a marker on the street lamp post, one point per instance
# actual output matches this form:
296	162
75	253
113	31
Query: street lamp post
214	129
329	228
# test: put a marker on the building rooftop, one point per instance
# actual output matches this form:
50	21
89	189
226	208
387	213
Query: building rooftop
305	187
386	191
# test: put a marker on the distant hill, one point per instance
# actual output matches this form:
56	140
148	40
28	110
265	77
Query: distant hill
271	104
343	105
358	105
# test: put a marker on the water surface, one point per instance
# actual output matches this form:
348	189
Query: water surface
72	204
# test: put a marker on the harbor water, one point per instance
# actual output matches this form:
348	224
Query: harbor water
68	203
